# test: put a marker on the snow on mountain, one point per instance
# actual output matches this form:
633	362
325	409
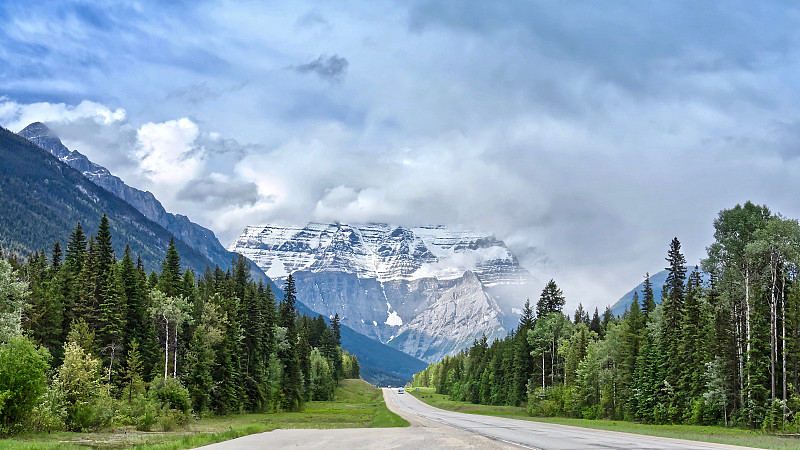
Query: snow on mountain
380	251
428	291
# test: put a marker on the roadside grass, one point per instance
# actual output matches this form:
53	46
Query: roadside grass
358	404
719	435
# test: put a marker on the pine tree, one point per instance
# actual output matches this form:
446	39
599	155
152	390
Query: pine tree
73	266
673	310
551	300
104	251
134	383
111	323
76	248
56	255
692	347
594	325
336	328
170	280
292	377
648	299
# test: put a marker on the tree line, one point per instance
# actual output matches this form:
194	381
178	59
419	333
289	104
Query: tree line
87	341
722	346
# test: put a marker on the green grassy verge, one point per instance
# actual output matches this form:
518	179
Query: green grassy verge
719	435
358	404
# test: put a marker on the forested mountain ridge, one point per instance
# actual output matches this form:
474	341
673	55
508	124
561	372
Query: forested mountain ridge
194	235
42	199
721	349
88	341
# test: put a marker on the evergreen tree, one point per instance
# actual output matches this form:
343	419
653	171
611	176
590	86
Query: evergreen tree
336	328
292	377
111	323
595	325
673	311
648	299
551	300
170	280
57	255
692	347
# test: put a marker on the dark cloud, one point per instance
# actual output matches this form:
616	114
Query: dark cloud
330	68
214	192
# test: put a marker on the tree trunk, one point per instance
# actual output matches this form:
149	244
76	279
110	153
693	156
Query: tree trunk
166	346
773	331
783	342
747	328
543	368
175	353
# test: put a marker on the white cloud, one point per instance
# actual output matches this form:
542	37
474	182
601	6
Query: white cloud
165	151
585	144
15	116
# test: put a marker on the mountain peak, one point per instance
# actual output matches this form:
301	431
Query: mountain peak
44	137
37	129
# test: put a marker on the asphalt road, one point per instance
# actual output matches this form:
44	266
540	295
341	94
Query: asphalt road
434	428
527	434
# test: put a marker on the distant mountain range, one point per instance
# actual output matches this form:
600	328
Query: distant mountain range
428	291
45	193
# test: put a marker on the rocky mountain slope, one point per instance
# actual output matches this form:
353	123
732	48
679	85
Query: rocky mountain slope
194	235
428	291
42	199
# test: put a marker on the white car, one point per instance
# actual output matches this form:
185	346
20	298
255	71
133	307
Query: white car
401	391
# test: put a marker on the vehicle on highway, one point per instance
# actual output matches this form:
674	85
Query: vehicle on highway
400	391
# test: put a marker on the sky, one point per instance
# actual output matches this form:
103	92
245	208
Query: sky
586	135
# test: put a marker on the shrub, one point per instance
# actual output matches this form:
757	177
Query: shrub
171	394
50	414
148	417
171	419
78	380
23	380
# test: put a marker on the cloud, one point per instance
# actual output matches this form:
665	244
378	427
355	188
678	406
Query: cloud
584	135
164	151
16	116
216	190
331	68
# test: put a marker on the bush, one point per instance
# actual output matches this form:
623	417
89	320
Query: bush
171	419
50	414
23	380
171	394
147	418
78	380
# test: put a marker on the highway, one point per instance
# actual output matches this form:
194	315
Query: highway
438	429
528	434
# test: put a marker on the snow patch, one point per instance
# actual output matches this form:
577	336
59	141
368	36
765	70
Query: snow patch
277	269
394	320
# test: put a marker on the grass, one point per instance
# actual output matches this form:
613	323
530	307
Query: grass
719	435
357	405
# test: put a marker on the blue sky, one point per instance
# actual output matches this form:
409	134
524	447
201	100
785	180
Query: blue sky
584	134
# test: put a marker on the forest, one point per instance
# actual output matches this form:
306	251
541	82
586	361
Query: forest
89	341
722	347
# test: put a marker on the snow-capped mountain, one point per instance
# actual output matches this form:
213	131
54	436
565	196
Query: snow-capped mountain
428	291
